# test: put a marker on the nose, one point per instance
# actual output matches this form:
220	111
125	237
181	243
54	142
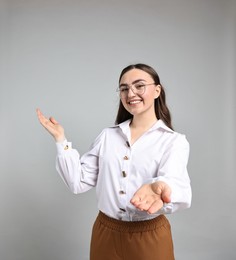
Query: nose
131	92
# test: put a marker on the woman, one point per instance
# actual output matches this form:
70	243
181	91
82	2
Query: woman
139	168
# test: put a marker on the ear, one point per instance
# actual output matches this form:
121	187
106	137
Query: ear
157	91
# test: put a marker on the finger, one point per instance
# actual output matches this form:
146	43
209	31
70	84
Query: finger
166	194
141	206
45	122
140	194
38	110
136	199
139	202
41	117
39	113
144	205
53	120
157	205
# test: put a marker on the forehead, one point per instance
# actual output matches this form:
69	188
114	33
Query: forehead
133	75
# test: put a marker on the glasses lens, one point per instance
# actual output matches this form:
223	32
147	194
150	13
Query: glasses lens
136	89
139	88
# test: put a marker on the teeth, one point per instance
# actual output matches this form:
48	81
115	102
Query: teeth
134	102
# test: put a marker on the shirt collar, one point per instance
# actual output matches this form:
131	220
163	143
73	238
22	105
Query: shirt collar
158	125
161	125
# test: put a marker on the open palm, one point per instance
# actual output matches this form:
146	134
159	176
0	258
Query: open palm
151	197
52	126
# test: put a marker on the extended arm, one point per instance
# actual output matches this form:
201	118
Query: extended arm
77	177
170	190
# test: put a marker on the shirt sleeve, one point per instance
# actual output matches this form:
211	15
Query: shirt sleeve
173	171
79	174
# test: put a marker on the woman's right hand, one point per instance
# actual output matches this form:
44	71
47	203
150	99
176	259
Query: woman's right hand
52	126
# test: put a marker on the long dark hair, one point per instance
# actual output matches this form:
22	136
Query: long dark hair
161	109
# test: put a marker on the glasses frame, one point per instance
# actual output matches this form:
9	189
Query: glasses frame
133	89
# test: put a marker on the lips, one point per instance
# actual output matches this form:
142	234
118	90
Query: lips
134	102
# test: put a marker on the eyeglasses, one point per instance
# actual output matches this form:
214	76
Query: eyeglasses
137	88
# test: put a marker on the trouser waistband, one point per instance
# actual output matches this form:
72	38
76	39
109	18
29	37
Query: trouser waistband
132	226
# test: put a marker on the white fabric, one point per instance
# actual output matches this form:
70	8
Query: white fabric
159	154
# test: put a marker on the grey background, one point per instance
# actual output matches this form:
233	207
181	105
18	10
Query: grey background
65	57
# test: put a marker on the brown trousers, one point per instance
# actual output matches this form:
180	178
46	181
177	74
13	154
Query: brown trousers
123	240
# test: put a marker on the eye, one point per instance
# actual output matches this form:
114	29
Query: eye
123	89
139	86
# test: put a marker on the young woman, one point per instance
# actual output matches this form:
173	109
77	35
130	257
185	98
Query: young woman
139	168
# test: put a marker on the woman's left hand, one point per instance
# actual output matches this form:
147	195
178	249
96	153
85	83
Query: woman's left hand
151	197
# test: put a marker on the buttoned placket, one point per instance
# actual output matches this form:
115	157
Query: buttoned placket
124	175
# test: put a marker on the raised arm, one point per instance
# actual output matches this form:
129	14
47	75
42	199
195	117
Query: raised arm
78	178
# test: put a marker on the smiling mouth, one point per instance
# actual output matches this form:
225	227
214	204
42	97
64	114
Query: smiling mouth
133	102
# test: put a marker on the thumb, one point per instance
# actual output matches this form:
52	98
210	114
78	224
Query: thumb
53	120
166	194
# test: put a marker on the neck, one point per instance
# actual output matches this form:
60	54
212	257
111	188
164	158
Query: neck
144	122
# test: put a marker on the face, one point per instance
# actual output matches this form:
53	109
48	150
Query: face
138	92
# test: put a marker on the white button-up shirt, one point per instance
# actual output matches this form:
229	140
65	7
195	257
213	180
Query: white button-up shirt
118	169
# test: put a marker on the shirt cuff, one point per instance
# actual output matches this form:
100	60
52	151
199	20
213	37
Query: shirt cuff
63	146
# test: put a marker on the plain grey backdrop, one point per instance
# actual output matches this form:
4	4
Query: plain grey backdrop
65	57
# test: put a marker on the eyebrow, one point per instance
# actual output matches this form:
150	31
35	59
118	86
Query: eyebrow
136	81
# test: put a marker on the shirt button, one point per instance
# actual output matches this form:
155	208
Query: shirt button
124	174
66	147
122	192
126	158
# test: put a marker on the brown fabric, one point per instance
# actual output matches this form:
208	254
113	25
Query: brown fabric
123	240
